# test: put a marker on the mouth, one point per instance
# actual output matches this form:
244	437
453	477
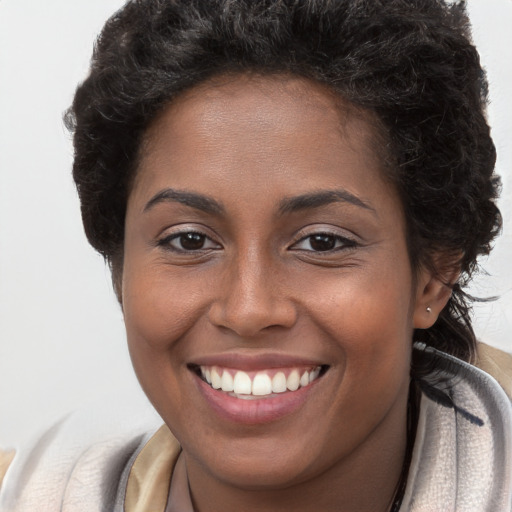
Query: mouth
253	385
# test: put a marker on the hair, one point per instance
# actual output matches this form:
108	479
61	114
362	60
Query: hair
410	63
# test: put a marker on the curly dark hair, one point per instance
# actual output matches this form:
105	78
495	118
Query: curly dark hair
409	62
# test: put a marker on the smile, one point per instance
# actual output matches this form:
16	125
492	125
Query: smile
260	384
257	390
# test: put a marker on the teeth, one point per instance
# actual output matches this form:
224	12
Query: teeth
279	383
227	381
261	384
293	381
216	379
242	384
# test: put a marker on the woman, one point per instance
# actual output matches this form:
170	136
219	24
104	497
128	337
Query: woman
291	196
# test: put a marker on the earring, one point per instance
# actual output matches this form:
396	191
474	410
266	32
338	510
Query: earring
429	309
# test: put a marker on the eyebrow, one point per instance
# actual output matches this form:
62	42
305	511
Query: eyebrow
321	198
192	199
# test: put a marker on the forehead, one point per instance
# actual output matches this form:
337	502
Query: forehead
252	105
266	128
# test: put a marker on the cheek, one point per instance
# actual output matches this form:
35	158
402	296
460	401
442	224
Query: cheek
369	325
159	309
354	304
158	315
367	315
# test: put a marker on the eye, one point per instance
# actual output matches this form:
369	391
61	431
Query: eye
323	242
188	241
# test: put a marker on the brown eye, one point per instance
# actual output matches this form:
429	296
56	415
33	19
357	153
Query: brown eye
188	241
191	241
322	242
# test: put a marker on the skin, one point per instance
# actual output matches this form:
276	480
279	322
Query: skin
257	286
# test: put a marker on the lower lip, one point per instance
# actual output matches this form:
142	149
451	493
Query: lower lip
254	411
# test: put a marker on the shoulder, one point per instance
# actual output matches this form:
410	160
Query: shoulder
496	363
6	457
148	482
127	473
82	463
463	444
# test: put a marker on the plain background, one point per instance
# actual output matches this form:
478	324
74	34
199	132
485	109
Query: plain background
62	341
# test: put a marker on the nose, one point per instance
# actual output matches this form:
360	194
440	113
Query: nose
252	299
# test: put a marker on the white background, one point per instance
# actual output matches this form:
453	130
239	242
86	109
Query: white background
61	331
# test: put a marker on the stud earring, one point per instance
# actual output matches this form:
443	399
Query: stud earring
429	309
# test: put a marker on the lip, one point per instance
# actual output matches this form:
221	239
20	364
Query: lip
255	411
256	362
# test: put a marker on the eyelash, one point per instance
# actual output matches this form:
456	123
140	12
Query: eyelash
340	242
166	242
344	242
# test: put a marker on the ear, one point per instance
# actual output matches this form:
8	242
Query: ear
432	294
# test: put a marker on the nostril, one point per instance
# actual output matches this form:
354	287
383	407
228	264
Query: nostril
250	318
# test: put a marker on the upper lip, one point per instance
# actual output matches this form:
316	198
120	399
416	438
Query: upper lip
255	362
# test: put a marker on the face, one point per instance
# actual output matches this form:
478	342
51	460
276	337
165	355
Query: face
267	291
